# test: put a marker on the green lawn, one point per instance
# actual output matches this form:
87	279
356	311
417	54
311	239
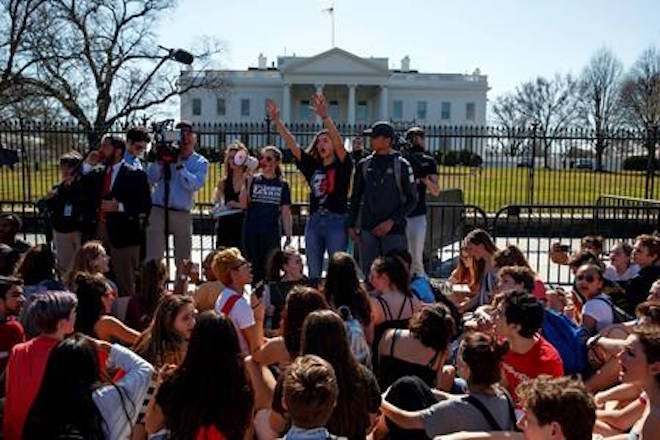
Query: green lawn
489	188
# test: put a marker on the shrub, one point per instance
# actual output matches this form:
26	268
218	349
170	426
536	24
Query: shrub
639	163
452	158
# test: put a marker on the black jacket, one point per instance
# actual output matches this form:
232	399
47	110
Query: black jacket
377	198
131	189
67	207
638	288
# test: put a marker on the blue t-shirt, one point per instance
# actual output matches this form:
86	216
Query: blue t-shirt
267	196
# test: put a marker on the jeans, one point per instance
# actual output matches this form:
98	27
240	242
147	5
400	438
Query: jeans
324	231
372	247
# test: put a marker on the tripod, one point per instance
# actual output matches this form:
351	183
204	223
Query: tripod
167	177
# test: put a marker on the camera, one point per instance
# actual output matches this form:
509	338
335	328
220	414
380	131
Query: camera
408	152
166	144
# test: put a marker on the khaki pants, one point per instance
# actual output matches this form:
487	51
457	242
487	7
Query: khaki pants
180	225
416	234
124	262
66	245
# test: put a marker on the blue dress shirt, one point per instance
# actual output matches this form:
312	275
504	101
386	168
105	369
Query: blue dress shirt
184	183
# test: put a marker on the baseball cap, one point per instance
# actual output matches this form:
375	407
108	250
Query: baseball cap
184	124
380	128
10	281
414	130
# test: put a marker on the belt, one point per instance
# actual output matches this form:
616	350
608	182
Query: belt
170	208
325	211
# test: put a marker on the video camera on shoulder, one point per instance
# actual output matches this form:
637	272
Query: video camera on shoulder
166	142
403	145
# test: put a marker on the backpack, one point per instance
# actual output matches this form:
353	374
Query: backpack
618	314
229	304
397	175
569	339
356	339
488	415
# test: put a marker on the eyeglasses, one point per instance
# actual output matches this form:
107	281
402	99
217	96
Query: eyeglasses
587	278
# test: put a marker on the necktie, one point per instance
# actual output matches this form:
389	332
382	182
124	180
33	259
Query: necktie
107	184
107	181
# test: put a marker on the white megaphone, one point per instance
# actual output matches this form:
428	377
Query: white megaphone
241	158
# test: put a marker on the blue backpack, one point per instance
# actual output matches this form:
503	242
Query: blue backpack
569	339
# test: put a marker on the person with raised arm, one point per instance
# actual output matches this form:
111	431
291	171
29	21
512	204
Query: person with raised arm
327	169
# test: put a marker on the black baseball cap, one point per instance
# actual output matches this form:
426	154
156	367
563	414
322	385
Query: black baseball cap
380	128
10	281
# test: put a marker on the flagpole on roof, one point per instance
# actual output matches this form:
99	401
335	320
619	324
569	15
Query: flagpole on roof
331	11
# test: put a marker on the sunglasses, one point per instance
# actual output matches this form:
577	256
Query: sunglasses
241	264
268	158
587	278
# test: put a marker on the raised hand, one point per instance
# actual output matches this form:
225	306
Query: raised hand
320	105
272	110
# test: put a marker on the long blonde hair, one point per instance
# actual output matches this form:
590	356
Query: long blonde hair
83	260
234	146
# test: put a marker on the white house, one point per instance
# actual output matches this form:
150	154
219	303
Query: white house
359	90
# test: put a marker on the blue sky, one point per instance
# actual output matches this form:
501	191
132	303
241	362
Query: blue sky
509	40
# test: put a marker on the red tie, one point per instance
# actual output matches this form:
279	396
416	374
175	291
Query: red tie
107	181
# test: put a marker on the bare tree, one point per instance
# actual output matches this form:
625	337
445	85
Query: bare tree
18	18
600	99
640	94
99	59
510	122
550	104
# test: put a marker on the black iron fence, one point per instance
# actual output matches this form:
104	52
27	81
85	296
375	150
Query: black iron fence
493	166
533	228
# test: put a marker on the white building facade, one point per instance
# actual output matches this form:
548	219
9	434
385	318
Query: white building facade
359	90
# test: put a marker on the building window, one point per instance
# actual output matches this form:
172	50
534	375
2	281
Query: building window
421	110
305	111
361	112
220	107
469	111
333	110
245	107
196	107
445	111
397	110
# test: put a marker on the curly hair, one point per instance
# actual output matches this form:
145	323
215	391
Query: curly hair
563	400
434	326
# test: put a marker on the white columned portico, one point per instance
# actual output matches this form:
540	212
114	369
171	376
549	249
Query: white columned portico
351	103
384	103
319	91
286	103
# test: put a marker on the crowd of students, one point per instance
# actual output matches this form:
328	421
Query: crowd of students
252	347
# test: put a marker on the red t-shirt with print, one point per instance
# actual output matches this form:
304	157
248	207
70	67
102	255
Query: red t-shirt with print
542	358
